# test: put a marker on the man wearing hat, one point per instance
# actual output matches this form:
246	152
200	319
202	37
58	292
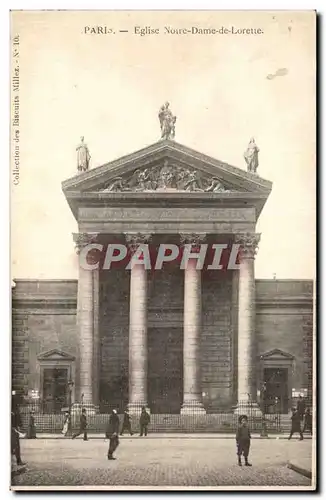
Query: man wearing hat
112	433
243	438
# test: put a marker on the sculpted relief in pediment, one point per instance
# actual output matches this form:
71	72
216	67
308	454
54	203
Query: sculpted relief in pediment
166	177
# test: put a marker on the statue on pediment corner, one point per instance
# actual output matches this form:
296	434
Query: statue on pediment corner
251	156
167	122
83	156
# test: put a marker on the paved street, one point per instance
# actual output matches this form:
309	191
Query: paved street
144	462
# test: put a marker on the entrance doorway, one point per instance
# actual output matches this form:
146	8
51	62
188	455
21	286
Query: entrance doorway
276	399
165	381
55	389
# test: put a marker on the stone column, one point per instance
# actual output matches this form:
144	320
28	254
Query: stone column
85	324
138	362
247	389
96	337
192	393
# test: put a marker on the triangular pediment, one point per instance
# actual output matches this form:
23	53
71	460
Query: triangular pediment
167	165
276	354
55	355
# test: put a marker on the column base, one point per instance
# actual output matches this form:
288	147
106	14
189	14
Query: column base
192	407
250	408
136	408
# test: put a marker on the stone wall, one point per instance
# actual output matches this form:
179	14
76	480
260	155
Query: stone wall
284	316
43	318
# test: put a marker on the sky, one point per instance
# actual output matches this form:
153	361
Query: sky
109	88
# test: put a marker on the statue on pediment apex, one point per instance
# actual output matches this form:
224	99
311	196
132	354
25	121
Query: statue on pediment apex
251	156
83	156
167	122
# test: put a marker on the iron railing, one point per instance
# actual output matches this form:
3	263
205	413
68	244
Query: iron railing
225	421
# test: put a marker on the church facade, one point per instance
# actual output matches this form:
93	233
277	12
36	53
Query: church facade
174	339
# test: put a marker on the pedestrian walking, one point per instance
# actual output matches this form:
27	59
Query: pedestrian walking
112	433
307	426
66	424
144	421
126	424
296	424
31	430
82	426
301	407
16	425
243	438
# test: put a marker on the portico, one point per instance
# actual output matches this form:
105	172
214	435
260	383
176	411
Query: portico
167	339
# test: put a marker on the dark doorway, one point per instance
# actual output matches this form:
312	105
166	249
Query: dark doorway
55	389
276	398
165	380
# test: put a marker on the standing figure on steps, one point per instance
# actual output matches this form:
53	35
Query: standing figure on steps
83	156
243	438
251	156
126	424
307	426
144	421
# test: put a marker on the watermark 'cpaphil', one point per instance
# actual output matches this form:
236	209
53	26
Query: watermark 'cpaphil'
217	256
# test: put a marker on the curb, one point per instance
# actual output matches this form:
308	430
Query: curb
300	470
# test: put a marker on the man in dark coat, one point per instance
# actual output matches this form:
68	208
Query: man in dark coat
243	438
307	426
144	421
112	433
301	407
82	426
295	426
126	424
16	425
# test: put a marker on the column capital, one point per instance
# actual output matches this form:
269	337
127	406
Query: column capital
249	244
194	239
135	239
81	240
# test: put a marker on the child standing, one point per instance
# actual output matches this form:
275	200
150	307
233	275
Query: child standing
243	438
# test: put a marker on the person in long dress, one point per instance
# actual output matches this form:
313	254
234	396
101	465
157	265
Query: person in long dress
66	423
31	430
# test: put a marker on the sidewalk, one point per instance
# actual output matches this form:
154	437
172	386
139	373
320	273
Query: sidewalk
175	435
